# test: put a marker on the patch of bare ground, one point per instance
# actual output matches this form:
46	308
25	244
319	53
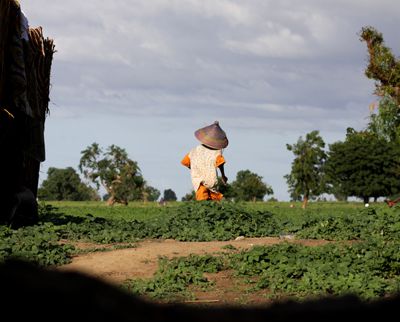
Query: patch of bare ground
87	246
141	261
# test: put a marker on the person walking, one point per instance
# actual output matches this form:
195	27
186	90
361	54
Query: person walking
204	161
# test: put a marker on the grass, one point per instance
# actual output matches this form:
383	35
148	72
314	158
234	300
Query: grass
152	210
135	210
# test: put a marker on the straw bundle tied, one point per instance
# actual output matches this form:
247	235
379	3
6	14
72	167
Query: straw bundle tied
25	66
41	53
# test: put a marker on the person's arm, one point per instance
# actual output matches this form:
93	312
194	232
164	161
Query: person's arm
223	176
220	165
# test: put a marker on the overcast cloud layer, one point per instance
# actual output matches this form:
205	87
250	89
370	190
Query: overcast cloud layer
145	74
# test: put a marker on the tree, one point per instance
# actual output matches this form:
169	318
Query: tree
306	179
118	174
169	195
364	166
249	186
191	196
386	124
384	68
65	184
151	193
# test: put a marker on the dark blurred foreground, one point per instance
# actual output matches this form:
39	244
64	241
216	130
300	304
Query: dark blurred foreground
34	293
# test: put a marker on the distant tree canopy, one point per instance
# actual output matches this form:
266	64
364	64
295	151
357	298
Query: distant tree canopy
115	171
307	177
169	195
151	193
248	186
386	123
65	184
364	166
384	68
191	196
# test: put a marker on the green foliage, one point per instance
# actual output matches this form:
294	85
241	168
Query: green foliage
191	196
173	277
37	244
364	165
169	195
142	211
248	186
359	226
367	269
65	184
365	263
386	123
384	68
307	176
112	169
97	229
41	243
205	220
151	193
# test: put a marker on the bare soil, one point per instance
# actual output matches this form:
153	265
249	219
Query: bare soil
141	261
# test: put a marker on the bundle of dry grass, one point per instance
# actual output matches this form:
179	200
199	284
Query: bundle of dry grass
39	54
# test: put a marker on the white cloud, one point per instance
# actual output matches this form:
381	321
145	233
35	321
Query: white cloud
280	44
234	12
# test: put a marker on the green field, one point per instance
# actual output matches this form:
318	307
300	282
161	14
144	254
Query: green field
368	266
134	210
147	211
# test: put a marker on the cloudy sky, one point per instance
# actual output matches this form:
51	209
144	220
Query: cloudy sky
145	74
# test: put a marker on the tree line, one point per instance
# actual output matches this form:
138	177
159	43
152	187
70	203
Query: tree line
123	181
364	165
111	169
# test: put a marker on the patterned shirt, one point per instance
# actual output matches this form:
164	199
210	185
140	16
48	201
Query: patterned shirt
203	163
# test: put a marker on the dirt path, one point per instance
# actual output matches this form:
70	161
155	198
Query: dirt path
142	261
